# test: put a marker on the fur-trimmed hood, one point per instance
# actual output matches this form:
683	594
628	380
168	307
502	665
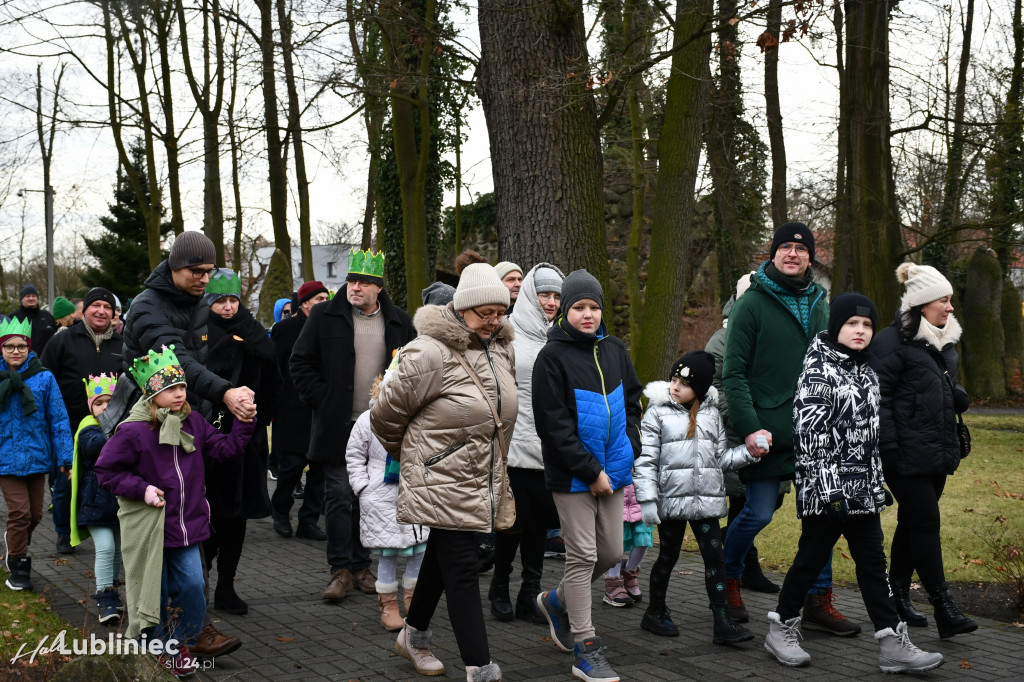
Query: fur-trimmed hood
657	393
442	323
939	337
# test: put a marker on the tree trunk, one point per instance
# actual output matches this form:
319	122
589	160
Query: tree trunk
773	112
277	173
1008	160
983	340
163	16
674	200
295	132
843	129
1013	338
868	244
534	84
636	228
233	143
367	60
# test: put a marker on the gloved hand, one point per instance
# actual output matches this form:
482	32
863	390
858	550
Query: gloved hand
154	496
649	513
837	511
889	501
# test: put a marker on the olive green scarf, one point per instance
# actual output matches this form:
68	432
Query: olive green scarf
170	424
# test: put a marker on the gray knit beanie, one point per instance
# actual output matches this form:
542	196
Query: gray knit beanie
580	284
191	248
547	281
480	285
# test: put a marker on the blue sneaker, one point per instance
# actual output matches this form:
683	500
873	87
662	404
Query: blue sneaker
558	619
107	602
590	664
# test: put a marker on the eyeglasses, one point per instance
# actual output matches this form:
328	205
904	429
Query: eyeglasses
199	273
788	247
22	348
549	296
488	319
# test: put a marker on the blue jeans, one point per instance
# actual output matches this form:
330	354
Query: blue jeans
182	604
60	497
757	513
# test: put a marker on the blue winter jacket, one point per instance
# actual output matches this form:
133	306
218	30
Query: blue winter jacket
40	442
586	405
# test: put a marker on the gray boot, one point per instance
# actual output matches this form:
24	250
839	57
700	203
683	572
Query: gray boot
899	655
783	641
483	673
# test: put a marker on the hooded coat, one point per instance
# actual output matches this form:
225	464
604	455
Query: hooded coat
684	475
835	432
432	418
920	399
531	325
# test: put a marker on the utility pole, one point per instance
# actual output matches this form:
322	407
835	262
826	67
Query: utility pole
48	210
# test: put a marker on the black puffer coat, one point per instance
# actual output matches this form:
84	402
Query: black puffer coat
73	356
293	417
920	394
163	315
241	352
43	326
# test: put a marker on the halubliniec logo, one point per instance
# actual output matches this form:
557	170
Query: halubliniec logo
114	644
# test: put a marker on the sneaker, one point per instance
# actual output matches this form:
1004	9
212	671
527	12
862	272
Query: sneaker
20	568
737	611
554	548
615	593
658	620
181	666
64	545
558	619
589	664
819	614
783	641
106	604
899	655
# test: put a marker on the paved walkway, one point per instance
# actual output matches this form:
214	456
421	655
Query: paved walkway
291	634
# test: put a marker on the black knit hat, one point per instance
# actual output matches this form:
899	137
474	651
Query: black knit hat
99	294
796	233
577	285
846	305
191	248
28	290
697	370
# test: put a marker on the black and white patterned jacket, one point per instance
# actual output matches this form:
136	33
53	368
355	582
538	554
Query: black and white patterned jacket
835	432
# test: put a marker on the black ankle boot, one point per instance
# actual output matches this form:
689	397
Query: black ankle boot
948	618
227	600
658	620
726	631
531	549
901	594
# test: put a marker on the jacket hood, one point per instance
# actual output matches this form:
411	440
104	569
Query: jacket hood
279	306
727	308
441	323
160	280
528	318
657	393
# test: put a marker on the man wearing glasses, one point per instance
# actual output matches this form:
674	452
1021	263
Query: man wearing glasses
769	331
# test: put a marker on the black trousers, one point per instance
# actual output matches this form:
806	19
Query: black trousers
863	532
450	568
708	534
290	473
224	544
916	542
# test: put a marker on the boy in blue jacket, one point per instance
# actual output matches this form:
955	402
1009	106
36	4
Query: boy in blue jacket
586	404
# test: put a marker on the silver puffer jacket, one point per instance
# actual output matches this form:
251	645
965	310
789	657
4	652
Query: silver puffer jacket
684	475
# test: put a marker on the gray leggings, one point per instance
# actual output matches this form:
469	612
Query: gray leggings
107	565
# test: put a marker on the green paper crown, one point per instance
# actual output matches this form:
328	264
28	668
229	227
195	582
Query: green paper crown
103	384
154	372
366	263
15	326
225	282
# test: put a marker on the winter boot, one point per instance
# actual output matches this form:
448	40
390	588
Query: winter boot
483	673
20	568
106	605
948	618
737	611
501	603
225	599
408	589
783	641
753	577
531	549
658	620
615	593
415	645
390	618
819	614
726	631
631	581
901	594
899	655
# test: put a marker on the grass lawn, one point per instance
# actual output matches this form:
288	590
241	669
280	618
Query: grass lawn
25	618
984	498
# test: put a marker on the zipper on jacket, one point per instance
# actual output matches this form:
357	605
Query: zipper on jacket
444	453
604	393
181	502
490	473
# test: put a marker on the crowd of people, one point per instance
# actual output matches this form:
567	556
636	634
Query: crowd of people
503	410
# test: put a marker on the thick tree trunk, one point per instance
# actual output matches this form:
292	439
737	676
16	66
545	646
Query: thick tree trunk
868	244
277	174
534	84
636	228
983	340
773	112
1008	187
164	16
674	200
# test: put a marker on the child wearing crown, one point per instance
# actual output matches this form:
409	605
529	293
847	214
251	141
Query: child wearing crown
93	509
154	464
36	439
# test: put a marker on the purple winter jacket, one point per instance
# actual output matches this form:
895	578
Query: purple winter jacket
133	459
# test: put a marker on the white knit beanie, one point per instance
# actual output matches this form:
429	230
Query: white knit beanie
924	284
505	267
743	283
480	285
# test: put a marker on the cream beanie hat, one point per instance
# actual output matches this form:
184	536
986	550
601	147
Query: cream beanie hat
505	267
924	284
480	285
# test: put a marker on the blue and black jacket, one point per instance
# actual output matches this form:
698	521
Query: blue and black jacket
586	403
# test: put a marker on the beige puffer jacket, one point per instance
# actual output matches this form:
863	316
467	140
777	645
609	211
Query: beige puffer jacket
433	419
